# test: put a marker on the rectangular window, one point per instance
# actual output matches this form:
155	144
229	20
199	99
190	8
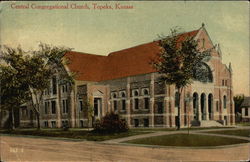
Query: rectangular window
136	122
123	104
46	107
115	105
53	124
81	105
222	82
217	106
146	123
246	111
46	124
225	82
146	103
54	85
81	123
160	107
65	106
53	107
136	103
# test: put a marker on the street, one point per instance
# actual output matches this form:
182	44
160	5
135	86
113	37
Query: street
15	148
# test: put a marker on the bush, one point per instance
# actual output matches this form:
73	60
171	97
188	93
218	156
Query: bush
111	123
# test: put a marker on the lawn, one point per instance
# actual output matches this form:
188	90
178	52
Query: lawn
72	133
239	132
187	140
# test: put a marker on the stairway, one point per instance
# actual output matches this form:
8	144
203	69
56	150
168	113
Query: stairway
210	123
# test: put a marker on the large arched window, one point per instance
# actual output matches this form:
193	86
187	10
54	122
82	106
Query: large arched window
203	73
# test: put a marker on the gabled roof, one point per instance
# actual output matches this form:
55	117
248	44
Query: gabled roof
246	102
128	62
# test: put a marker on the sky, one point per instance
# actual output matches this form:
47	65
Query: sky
103	31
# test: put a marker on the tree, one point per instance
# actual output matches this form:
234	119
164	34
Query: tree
14	90
238	99
43	65
36	69
90	110
180	62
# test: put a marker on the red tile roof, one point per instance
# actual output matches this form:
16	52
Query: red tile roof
127	62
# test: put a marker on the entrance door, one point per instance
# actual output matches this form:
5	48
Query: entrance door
210	106
97	107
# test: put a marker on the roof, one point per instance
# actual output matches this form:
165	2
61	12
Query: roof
246	102
128	62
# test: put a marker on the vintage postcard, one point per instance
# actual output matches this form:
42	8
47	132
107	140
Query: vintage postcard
124	81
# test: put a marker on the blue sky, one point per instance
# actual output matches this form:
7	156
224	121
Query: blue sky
105	31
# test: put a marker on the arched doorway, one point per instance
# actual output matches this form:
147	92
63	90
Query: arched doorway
196	106
203	106
210	106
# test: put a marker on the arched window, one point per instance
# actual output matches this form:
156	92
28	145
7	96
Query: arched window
203	73
136	93
123	94
145	92
225	102
123	101
114	95
136	100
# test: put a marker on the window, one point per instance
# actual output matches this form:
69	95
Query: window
123	104
65	106
123	95
53	107
246	111
222	82
54	88
136	122
95	106
46	107
81	123
53	124
65	123
160	107
225	82
81	105
217	106
46	124
146	103
136	102
145	123
64	88
203	73
225	102
177	96
145	92
115	105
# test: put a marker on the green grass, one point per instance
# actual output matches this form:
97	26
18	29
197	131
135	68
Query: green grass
71	133
243	124
239	132
174	129
187	140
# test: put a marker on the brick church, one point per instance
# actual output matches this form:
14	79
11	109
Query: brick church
126	83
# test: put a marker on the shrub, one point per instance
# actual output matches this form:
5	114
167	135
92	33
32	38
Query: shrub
110	123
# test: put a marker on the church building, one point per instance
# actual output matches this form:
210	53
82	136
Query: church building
126	83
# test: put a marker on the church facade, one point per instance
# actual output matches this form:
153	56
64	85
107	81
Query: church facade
126	83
